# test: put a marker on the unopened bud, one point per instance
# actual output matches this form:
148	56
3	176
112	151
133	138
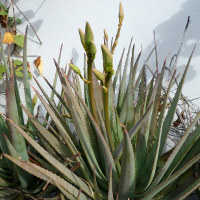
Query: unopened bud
92	49
105	34
82	37
105	89
107	59
88	35
75	69
98	75
121	13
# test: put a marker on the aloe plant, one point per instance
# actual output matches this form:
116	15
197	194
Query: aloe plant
15	182
116	151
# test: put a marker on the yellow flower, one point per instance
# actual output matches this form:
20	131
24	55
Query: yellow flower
8	38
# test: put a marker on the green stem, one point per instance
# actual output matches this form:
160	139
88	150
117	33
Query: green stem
106	111
90	87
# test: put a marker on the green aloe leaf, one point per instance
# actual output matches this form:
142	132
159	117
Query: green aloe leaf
116	126
67	188
104	146
98	94
64	134
102	125
54	81
185	190
18	100
143	135
187	144
73	178
86	94
58	145
150	90
122	88
130	93
118	71
118	151
81	131
62	101
5	183
127	175
171	112
15	138
24	178
155	190
110	190
172	157
80	124
96	189
192	152
54	109
156	106
27	90
140	106
56	74
149	168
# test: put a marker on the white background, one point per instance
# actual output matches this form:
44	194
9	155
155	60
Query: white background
58	21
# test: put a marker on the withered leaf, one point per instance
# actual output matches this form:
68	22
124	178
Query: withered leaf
38	63
8	38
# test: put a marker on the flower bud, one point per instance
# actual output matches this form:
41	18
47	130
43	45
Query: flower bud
82	37
121	13
92	49
112	72
105	89
88	35
98	75
75	69
105	34
107	59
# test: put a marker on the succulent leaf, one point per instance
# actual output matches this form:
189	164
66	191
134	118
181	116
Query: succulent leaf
127	176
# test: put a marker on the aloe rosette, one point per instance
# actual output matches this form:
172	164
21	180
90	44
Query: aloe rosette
116	151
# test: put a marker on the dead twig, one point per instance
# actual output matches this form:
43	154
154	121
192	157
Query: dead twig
28	22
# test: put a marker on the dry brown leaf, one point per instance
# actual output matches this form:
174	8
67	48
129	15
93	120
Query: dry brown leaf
3	21
38	63
177	122
28	66
8	38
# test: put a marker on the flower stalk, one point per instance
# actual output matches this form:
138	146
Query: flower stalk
108	68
